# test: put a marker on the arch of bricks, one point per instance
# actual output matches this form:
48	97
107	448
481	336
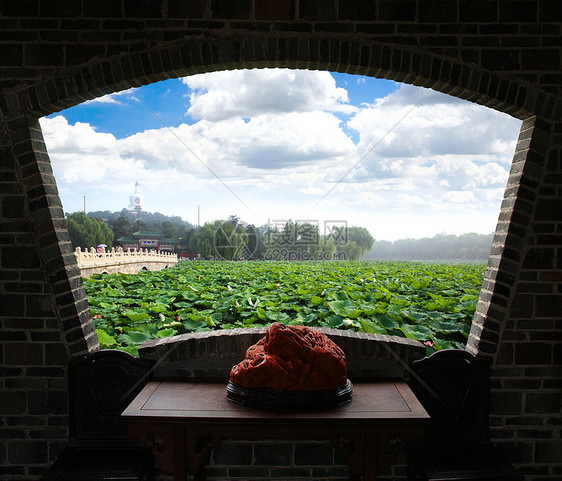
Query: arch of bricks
504	54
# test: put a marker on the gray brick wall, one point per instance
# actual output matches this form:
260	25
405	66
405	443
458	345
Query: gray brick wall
34	356
505	54
277	460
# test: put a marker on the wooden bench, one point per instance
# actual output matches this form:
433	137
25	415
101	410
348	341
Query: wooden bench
101	385
453	387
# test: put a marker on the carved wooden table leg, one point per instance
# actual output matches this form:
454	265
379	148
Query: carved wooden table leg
159	439
178	447
199	446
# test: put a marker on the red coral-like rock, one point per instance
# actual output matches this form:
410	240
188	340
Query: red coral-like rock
292	358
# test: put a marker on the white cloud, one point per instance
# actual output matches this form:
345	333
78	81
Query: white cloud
441	151
248	93
459	197
79	137
113	98
438	125
234	147
83	157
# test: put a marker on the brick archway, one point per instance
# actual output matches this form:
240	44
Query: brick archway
313	52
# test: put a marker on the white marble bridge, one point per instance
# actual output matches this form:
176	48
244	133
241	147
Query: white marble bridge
127	261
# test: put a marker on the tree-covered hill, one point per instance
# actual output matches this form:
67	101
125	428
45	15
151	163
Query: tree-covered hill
84	229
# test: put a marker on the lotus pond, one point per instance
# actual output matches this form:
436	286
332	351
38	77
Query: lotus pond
431	302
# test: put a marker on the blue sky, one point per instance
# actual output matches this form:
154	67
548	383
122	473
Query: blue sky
125	115
274	144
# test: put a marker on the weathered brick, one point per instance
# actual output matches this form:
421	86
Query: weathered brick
233	454
19	258
397	10
228	9
291	472
20	9
524	421
182	9
478	11
11	55
533	353
13	402
280	10
39	305
521	451
23	353
548	210
103	8
313	454
500	59
539	258
49	402
249	472
44	54
518	11
11	305
505	403
546	452
548	305
542	402
273	454
60	8
27	452
363	10
545	58
334	472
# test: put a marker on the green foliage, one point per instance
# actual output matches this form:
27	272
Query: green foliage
122	227
86	232
229	240
357	241
201	241
125	223
220	239
303	241
433	303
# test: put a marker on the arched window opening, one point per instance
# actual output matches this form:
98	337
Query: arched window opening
276	155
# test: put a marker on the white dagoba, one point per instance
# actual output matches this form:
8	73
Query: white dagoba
136	201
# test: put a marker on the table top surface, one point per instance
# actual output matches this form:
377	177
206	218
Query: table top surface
193	402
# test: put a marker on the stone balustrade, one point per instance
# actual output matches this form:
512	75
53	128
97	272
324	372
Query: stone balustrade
94	261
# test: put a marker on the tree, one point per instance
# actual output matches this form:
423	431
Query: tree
352	241
185	233
201	241
86	232
234	220
220	239
170	230
122	227
362	239
230	242
140	226
256	246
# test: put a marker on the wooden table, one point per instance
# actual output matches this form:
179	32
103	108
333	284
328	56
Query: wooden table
182	422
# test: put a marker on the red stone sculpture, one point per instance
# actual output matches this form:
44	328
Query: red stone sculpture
292	358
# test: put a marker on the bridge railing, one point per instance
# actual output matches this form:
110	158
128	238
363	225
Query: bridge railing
93	257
